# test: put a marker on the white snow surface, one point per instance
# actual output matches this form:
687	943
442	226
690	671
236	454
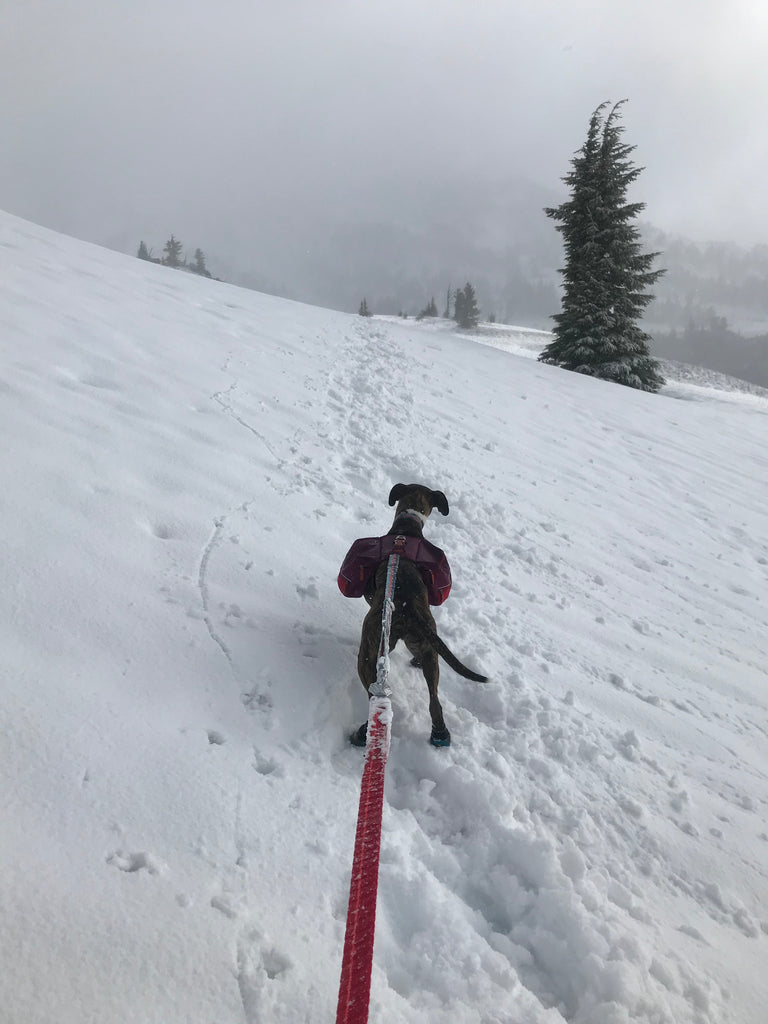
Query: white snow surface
184	465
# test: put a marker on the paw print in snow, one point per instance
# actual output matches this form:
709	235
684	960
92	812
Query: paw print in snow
132	862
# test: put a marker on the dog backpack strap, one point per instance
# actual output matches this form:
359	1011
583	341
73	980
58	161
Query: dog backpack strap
400	545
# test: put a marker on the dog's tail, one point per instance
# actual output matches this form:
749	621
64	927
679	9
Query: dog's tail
447	654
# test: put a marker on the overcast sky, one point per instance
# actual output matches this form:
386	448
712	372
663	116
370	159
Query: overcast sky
122	119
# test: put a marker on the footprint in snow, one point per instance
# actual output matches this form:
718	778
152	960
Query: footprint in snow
133	862
266	765
693	933
259	966
225	906
256	700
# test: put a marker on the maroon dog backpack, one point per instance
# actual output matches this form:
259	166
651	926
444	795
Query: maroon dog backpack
366	554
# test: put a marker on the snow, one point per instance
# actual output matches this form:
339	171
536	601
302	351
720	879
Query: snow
184	465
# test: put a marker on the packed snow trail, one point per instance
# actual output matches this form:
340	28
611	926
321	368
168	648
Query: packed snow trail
185	465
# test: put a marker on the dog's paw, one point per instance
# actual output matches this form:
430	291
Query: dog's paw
360	736
440	738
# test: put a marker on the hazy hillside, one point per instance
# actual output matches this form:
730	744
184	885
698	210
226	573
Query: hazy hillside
710	280
712	344
401	250
398	248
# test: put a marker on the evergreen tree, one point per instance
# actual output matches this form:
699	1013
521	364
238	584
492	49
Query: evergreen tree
429	310
143	253
606	274
466	314
172	252
364	311
447	313
199	266
458	305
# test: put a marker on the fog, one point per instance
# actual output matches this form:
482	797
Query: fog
250	127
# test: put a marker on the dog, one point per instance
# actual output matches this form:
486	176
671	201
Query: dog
412	621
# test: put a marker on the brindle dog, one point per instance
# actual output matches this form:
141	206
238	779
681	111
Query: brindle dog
412	621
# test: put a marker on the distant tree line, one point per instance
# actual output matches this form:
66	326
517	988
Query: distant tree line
173	257
707	280
466	312
712	343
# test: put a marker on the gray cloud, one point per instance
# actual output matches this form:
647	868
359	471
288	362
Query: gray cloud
235	124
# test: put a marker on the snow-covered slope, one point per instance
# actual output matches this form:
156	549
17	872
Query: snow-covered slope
184	465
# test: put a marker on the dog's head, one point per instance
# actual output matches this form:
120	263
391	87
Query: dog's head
417	497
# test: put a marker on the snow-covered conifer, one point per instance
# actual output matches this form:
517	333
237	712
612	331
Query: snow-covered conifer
606	274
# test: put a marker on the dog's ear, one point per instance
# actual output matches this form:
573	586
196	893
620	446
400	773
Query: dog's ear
439	501
396	493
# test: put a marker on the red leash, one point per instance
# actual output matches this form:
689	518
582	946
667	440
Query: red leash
357	959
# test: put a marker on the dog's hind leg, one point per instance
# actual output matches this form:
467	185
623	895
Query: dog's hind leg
440	737
366	665
367	657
